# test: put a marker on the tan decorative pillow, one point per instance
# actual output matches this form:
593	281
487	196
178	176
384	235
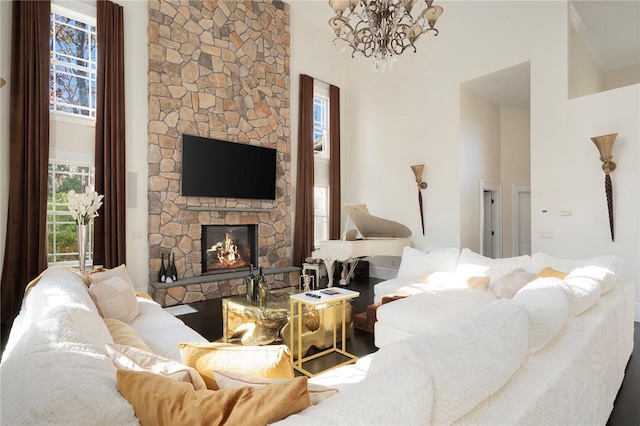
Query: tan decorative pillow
158	400
271	362
133	359
507	286
456	280
549	272
231	380
123	334
115	298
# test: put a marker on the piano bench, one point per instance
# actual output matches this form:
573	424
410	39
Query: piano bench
318	268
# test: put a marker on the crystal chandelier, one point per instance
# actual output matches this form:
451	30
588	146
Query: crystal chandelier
382	29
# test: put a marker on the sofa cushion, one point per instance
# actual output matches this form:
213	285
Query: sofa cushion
474	263
507	286
123	334
272	361
468	359
133	359
583	288
542	260
415	262
115	298
59	374
370	401
422	311
548	308
231	380
158	400
456	280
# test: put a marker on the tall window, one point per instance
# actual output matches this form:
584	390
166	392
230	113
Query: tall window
321	125
320	213
321	162
72	82
72	89
62	246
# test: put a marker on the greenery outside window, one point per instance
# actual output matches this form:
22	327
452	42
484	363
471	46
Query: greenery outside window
62	245
72	81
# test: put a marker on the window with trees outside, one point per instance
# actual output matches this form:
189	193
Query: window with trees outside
72	81
321	161
72	93
62	245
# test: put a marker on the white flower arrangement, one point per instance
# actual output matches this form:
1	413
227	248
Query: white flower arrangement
84	207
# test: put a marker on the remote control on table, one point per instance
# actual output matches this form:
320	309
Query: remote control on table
317	296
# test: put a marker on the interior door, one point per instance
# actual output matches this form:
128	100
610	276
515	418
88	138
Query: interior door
523	224
487	227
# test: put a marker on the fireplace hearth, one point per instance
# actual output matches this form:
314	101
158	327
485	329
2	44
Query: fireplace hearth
228	248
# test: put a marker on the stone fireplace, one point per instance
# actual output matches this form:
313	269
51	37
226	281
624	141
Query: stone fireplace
228	248
217	70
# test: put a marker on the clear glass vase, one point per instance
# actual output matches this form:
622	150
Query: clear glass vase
83	234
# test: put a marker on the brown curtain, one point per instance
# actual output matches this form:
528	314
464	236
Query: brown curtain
303	232
334	163
109	231
25	255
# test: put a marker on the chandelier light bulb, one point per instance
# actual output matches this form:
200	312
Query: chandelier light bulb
382	29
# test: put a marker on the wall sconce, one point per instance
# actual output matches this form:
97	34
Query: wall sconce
2	82
417	171
604	144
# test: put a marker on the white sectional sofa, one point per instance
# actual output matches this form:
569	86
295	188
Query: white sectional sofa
506	362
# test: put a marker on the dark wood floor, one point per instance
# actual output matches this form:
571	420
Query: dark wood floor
208	322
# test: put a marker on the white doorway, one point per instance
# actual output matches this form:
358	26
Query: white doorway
521	220
490	220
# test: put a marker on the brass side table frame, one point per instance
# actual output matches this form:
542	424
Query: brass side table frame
297	302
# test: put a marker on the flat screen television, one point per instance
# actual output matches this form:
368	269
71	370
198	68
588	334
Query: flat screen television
215	168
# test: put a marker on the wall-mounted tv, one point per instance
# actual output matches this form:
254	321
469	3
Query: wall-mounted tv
215	168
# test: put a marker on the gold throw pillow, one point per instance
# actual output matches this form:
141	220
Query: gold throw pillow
158	400
271	361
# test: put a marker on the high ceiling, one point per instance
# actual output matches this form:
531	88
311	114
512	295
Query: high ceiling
609	28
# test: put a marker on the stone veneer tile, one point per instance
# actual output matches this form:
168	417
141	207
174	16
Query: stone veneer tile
217	69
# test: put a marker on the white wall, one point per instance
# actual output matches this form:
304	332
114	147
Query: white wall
479	160
137	117
515	166
5	70
586	232
621	77
585	76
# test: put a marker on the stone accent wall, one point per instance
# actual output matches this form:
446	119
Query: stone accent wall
217	69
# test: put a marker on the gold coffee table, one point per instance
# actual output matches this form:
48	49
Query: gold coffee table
252	324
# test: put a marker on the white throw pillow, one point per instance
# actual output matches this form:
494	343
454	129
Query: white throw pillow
468	359
415	262
540	261
472	262
134	359
583	288
231	380
507	286
548	308
115	298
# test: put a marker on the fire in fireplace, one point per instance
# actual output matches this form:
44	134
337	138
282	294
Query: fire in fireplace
228	248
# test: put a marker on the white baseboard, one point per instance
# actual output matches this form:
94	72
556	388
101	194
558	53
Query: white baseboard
382	273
